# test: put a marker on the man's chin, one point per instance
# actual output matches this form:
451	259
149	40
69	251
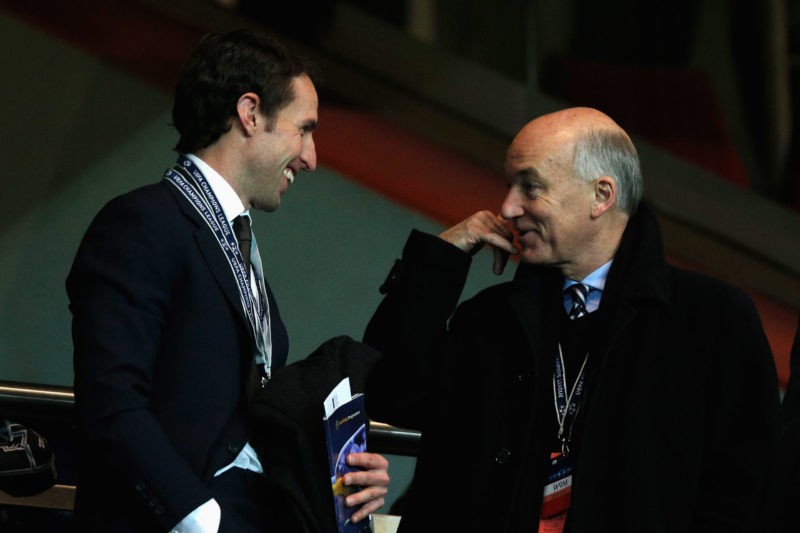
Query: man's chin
268	207
532	256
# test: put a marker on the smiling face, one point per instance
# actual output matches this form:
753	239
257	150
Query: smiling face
280	148
555	213
563	220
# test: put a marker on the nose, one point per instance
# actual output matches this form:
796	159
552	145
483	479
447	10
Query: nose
308	155
511	208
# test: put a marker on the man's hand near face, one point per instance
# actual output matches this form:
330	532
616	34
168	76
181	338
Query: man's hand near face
484	227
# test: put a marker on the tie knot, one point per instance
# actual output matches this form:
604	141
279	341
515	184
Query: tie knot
578	292
244	238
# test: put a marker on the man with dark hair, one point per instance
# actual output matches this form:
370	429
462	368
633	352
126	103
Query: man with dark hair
602	389
174	323
220	70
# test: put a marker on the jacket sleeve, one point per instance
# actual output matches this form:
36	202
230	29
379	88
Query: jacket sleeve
119	290
409	328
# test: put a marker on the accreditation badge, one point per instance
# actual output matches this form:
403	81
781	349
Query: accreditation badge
557	495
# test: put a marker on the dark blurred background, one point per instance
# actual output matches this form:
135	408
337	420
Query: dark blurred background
419	100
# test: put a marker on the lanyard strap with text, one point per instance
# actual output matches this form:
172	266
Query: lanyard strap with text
567	405
198	192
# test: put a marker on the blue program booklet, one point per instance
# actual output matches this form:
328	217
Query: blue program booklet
345	432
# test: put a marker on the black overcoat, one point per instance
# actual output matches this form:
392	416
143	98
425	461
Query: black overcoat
290	437
680	424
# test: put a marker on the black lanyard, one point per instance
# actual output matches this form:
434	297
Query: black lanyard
188	179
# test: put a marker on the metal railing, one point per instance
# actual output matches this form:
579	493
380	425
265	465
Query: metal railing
34	399
53	402
26	399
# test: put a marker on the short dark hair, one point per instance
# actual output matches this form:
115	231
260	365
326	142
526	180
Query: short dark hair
221	69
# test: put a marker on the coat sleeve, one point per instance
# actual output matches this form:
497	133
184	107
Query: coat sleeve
119	290
409	328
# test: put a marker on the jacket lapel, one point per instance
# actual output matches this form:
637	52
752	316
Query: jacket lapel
538	291
221	270
636	286
638	278
214	257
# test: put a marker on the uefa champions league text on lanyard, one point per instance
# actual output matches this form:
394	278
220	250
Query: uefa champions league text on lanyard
188	179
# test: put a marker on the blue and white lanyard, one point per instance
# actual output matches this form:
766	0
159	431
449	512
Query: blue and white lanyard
567	405
198	192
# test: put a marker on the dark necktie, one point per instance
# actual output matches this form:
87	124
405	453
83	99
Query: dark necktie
244	236
578	293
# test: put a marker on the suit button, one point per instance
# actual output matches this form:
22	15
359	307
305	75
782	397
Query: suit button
140	487
159	510
234	449
502	457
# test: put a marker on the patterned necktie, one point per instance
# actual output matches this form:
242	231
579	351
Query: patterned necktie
578	293
244	235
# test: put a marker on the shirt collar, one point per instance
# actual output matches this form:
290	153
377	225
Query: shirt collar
596	280
231	204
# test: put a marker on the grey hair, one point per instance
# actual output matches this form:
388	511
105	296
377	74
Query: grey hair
610	153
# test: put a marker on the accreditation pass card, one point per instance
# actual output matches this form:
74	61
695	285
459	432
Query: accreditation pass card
557	495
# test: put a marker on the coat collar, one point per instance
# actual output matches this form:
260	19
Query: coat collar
530	302
639	273
640	269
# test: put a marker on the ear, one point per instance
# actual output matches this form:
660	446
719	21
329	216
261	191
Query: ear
247	110
605	195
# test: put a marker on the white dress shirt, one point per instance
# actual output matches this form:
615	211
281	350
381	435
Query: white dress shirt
206	518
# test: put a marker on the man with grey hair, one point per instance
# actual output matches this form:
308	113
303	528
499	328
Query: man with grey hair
602	389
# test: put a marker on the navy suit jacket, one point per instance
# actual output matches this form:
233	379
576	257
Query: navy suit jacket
162	356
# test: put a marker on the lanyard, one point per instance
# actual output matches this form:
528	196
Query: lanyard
188	179
566	404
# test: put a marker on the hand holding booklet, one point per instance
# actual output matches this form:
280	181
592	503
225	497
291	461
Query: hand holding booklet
346	432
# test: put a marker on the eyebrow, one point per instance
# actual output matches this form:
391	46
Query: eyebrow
526	173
